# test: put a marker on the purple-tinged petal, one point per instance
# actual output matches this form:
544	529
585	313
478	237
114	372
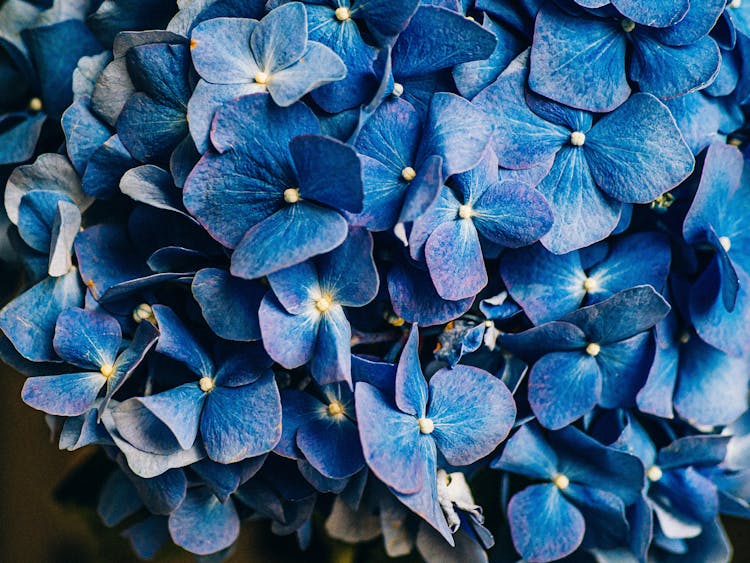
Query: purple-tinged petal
204	525
241	422
280	38
411	388
390	440
637	153
543	524
528	453
473	412
454	258
331	361
220	50
63	395
318	66
291	235
563	386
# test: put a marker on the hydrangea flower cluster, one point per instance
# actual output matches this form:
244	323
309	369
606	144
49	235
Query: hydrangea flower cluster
378	263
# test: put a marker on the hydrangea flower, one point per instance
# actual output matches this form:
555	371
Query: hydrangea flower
295	181
597	166
237	56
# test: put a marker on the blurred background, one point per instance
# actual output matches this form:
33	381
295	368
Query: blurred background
41	524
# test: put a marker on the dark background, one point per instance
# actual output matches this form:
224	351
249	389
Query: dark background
36	528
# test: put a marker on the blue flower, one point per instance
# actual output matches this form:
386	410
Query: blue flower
273	190
235	407
464	414
235	57
88	340
321	428
632	155
586	488
599	354
447	236
549	286
580	58
719	299
303	320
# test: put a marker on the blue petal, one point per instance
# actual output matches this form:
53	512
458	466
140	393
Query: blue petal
228	203
563	386
241	422
636	153
691	67
162	494
644	12
289	236
604	513
148	536
204	525
180	409
411	388
220	49
36	214
87	339
328	172
414	298
354	255
522	138
711	387
153	186
288	339
29	320
419	50
118	499
473	412
65	228
624	315
331	361
583	214
298	407
84	133
280	38
528	453
579	60
454	258
656	395
456	130
544	526
107	165
63	395
546	285
624	366
555	335
317	67
332	446
176	342
389	440
694	450
229	305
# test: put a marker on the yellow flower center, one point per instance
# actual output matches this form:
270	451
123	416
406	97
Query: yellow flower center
206	384
261	78
408	173
577	138
465	211
590	284
322	304
335	408
107	370
726	243
291	195
343	14
561	481
654	473
35	104
426	426
627	25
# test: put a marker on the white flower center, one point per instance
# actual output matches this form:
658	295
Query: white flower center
35	104
465	211
343	14
398	89
654	473
335	408
593	349
107	370
590	284
426	426
561	481
577	138
261	78
408	173
726	243
322	304
206	384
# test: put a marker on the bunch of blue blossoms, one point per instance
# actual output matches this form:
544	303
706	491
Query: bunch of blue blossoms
369	266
